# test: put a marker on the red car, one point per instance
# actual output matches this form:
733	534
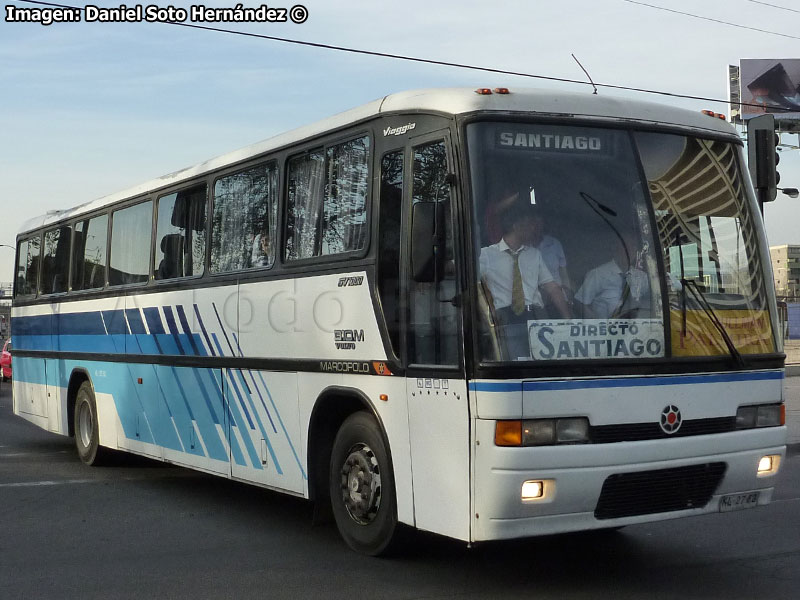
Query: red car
5	360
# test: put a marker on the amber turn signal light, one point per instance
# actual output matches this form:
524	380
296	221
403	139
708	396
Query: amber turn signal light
508	433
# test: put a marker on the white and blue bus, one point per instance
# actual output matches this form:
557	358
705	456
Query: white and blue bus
349	313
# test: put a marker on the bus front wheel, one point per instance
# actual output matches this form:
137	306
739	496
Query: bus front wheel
87	435
362	486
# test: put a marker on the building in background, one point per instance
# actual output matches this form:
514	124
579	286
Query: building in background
6	291
786	273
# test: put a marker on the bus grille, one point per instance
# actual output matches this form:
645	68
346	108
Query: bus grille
635	432
665	490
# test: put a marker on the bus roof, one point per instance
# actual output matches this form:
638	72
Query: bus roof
449	101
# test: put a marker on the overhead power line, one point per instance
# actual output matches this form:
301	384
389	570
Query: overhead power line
429	61
794	10
686	14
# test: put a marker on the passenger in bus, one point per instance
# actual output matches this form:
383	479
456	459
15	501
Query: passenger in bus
516	276
616	288
171	266
552	253
260	256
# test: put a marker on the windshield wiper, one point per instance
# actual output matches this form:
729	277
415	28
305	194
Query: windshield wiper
701	299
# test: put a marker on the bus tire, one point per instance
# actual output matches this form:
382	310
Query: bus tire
87	430
362	488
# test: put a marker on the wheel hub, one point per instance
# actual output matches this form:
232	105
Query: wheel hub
86	425
361	484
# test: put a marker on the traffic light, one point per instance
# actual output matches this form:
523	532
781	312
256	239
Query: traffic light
767	159
763	157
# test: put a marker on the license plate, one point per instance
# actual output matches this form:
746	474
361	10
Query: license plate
738	501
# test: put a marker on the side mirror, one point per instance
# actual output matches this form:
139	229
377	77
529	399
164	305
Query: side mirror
427	241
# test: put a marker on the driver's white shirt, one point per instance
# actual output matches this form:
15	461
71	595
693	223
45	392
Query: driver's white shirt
497	269
602	288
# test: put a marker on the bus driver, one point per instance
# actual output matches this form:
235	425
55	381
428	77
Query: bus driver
516	275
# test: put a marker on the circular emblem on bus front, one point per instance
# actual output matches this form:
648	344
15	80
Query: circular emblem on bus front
670	419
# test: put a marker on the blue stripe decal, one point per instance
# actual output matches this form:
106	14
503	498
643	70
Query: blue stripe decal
229	415
187	330
115	322
255	385
264	404
165	408
488	386
214	417
222	327
241	399
216	385
153	318
173	328
203	329
182	393
188	381
236	421
239	376
248	441
89	323
261	426
135	321
155	410
221	353
149	344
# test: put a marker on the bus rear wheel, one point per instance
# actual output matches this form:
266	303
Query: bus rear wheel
362	486
87	431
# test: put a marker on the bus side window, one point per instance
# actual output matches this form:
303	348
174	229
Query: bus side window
181	234
55	261
89	253
243	231
131	230
326	212
306	177
389	244
344	225
28	266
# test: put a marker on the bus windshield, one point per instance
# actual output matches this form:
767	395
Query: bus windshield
571	225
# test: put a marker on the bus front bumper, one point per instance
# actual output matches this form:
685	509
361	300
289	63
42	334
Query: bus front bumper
644	481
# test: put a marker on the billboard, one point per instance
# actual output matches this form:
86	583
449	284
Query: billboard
771	86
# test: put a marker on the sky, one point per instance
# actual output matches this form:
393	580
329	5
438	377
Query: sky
89	109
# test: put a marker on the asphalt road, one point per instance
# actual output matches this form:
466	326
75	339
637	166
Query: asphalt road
143	530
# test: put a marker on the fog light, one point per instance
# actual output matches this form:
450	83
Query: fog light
768	465
531	490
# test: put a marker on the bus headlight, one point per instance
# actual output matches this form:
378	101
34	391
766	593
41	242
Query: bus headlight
572	431
764	415
542	432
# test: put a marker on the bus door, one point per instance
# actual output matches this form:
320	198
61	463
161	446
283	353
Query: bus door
436	385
